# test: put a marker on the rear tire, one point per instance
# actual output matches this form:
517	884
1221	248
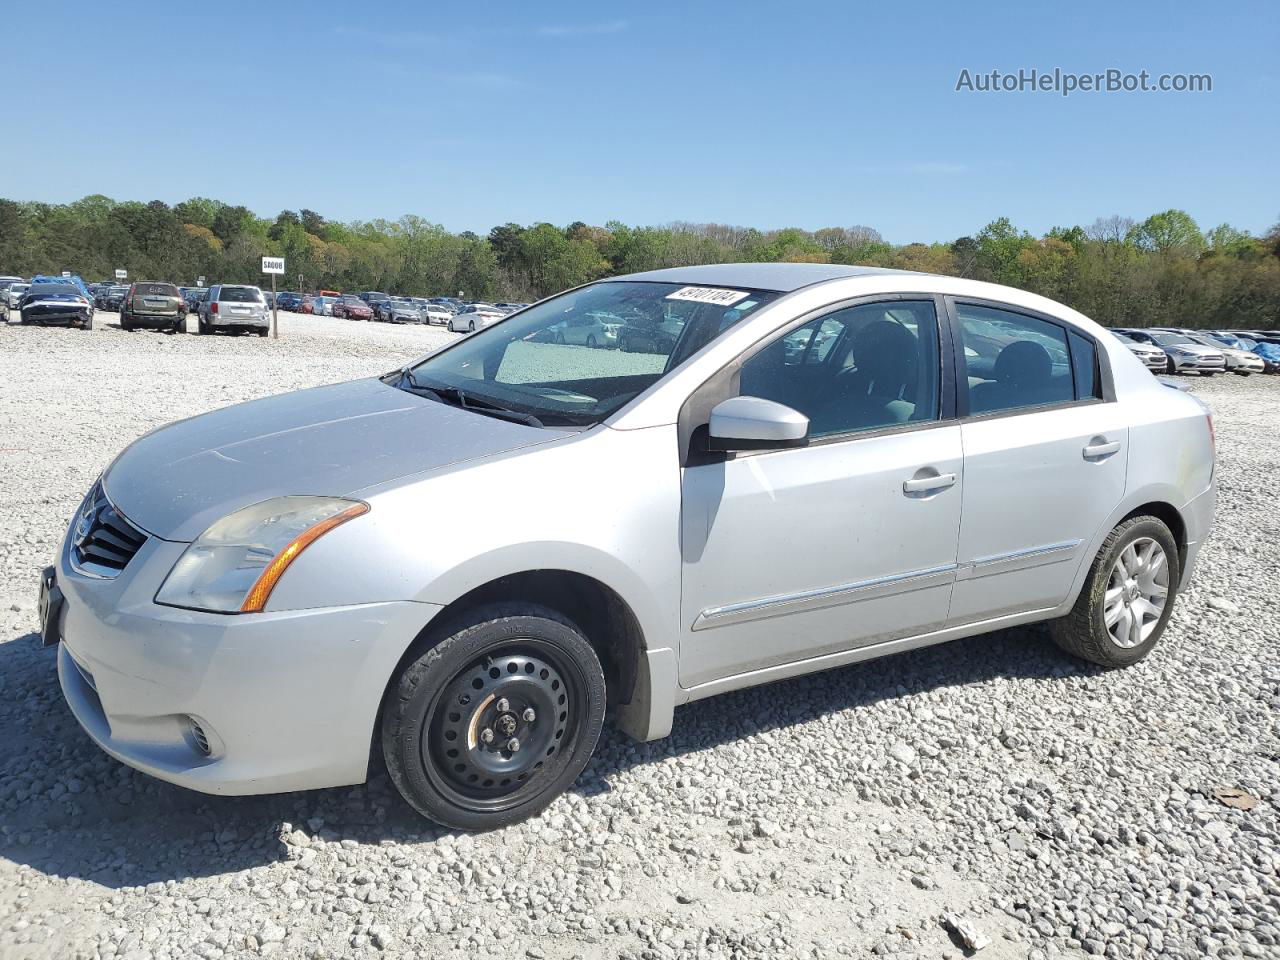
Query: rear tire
505	675
1132	583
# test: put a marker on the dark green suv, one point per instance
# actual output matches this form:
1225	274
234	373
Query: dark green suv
155	305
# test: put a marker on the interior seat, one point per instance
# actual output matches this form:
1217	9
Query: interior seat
1023	374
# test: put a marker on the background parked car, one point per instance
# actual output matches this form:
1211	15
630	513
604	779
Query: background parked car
588	330
113	297
56	305
323	306
308	305
13	295
352	307
399	310
234	307
436	313
474	316
1239	361
155	305
288	300
192	296
1185	355
1152	356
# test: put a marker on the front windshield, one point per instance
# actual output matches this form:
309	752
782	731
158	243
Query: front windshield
577	358
1170	339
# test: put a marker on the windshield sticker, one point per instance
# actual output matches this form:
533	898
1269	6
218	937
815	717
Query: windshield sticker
716	295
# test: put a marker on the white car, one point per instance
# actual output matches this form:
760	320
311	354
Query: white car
475	316
13	294
591	330
437	313
1152	357
1240	362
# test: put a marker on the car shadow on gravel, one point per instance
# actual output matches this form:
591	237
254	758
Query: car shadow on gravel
67	809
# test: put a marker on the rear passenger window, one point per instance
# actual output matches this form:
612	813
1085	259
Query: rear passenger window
1084	366
1013	361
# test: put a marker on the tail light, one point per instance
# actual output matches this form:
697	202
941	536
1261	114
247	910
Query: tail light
213	307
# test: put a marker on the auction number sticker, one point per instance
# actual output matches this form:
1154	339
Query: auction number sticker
717	295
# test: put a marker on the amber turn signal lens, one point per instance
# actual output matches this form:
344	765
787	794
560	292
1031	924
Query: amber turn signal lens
258	594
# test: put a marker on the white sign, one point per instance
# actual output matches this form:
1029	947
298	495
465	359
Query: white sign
66	273
273	265
721	298
199	281
122	274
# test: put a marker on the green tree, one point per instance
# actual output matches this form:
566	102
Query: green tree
1172	231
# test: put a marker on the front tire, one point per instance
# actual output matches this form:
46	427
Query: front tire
490	724
1128	597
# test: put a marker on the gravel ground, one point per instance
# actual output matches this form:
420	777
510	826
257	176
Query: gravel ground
1060	810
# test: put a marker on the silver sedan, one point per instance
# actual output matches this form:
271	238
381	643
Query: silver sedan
467	560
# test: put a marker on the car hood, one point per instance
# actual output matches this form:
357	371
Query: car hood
1197	348
334	441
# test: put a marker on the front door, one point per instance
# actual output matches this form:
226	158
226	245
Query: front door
792	554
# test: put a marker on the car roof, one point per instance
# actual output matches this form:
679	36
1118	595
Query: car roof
781	277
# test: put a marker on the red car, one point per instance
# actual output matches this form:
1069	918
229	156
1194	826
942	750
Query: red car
307	305
353	308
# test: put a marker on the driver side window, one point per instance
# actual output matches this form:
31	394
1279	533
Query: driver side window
862	368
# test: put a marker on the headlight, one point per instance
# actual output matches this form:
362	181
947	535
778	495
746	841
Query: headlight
235	564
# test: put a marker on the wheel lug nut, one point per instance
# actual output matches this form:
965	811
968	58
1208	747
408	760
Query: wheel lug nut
513	744
529	715
502	706
486	735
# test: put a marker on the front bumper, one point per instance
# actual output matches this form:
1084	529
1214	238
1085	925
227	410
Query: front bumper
286	701
1210	364
1157	362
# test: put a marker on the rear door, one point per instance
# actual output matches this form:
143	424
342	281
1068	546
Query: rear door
1045	455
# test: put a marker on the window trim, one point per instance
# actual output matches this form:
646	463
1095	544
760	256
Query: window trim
725	383
1106	384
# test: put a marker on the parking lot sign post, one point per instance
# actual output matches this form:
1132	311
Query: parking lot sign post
275	267
122	274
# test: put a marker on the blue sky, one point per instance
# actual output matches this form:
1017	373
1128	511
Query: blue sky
763	114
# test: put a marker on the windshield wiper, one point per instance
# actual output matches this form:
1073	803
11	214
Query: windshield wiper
456	398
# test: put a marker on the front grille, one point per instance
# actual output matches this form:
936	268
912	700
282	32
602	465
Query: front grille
103	541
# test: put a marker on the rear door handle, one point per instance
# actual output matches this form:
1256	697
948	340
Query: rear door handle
1100	449
939	481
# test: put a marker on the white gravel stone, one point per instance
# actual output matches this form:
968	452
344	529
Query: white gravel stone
1062	810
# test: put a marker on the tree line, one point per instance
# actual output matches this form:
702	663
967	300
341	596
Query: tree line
1162	271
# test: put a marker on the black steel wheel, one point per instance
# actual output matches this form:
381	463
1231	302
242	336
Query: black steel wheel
491	723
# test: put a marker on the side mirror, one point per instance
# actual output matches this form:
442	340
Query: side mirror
753	423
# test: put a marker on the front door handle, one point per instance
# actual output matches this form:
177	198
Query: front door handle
939	481
1101	447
